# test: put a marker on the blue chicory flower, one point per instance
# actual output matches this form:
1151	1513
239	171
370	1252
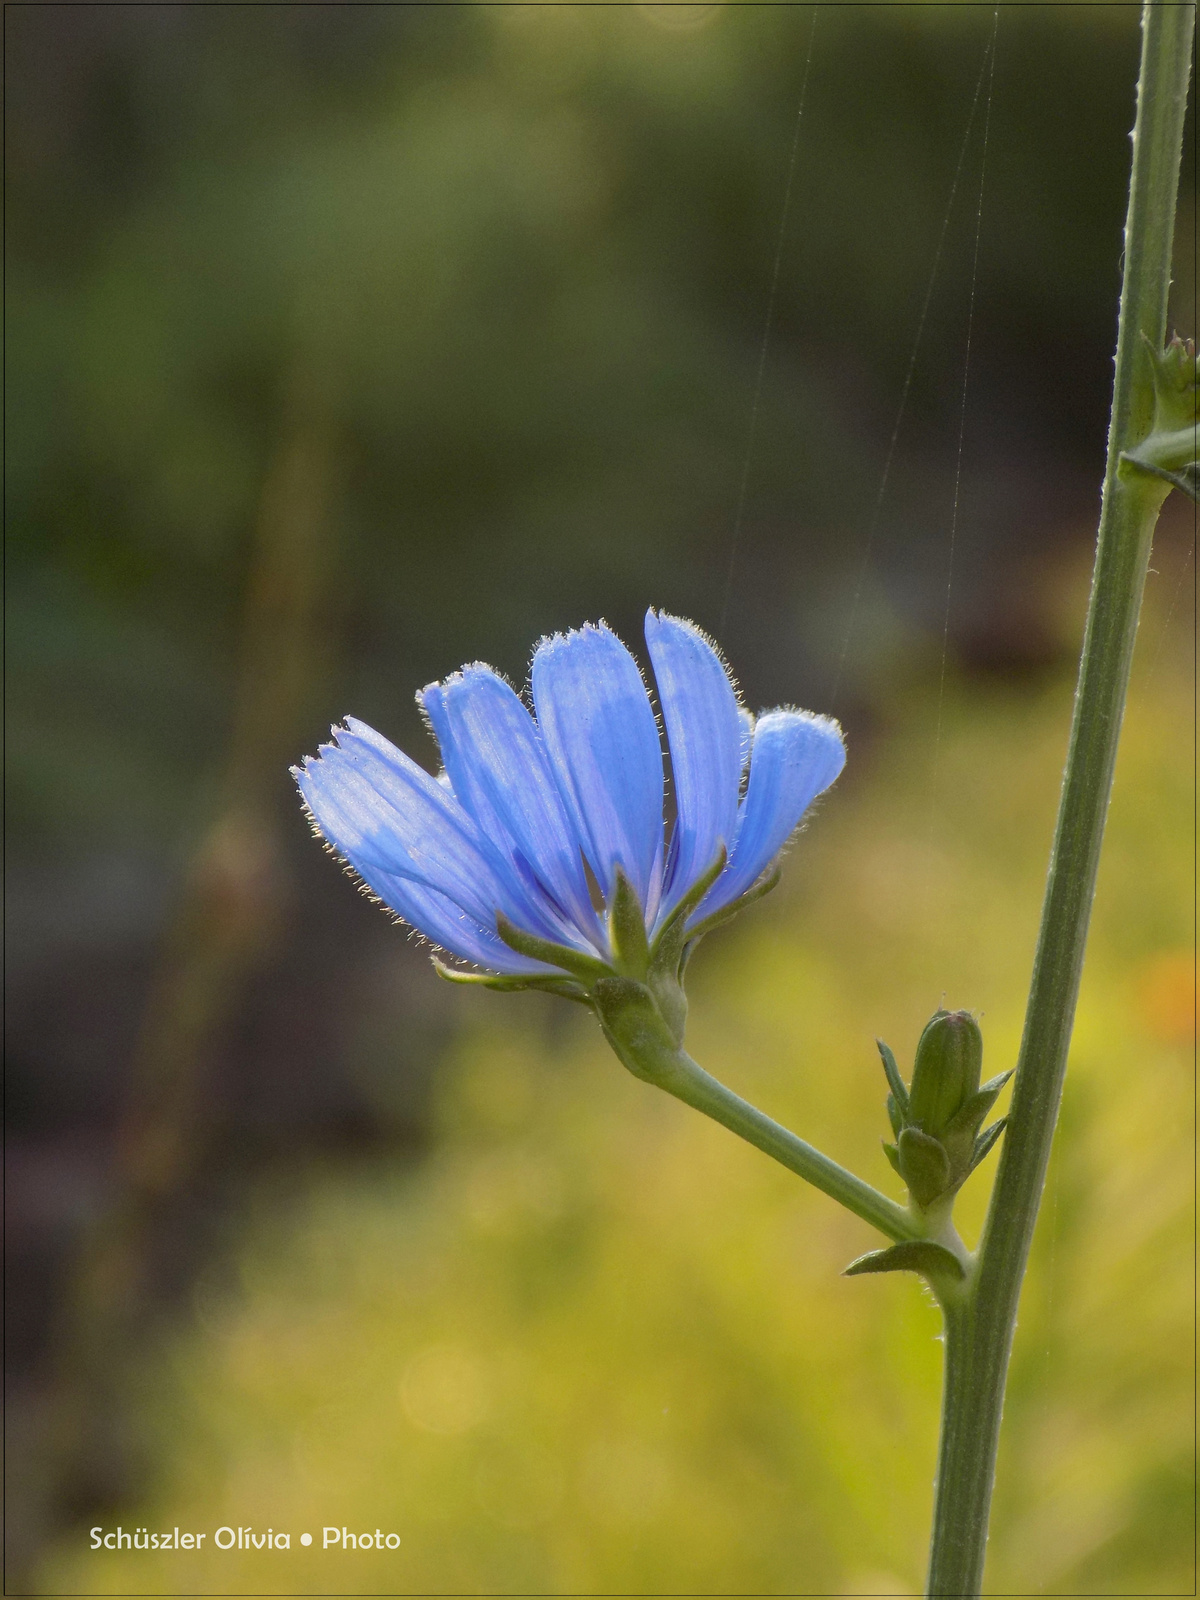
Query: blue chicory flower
536	818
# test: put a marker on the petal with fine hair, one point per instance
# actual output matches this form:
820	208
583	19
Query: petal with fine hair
746	742
499	770
386	814
704	733
795	756
602	739
446	925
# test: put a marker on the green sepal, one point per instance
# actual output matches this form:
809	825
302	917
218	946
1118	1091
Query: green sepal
670	939
627	930
762	887
895	1081
673	946
924	1166
997	1083
584	967
969	1116
913	1255
511	983
893	1155
894	1115
985	1142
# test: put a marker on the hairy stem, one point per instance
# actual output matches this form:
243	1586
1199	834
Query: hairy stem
979	1333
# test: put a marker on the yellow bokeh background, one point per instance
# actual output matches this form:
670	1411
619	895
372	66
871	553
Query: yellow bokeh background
593	1344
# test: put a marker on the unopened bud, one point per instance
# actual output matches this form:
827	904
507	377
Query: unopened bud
946	1073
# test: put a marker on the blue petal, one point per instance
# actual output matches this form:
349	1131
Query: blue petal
602	739
385	814
501	774
704	731
444	924
796	755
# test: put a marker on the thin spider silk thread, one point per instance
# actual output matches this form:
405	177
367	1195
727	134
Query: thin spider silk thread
962	410
743	490
885	476
930	877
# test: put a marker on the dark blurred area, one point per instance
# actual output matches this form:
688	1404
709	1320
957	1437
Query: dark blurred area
347	343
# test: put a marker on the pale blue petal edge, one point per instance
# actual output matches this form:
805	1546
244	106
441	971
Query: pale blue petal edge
603	743
500	772
796	755
386	814
446	925
746	740
704	733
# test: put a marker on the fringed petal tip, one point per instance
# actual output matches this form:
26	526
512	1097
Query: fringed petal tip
704	733
795	755
602	739
453	680
657	616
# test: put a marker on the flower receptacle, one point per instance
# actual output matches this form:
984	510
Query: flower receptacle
636	1028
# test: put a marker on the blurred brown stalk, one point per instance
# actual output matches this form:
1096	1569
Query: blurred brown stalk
223	928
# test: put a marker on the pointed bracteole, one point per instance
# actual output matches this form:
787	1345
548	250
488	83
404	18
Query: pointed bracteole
931	1260
627	930
671	939
895	1116
512	983
997	1083
985	1142
895	1081
764	886
697	891
584	967
971	1113
893	1155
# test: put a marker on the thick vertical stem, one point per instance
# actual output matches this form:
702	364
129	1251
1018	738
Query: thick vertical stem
979	1335
954	1535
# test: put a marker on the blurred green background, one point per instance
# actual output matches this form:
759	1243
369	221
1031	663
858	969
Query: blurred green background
345	344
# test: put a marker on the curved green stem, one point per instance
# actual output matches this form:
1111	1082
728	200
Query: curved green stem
979	1332
690	1083
635	1025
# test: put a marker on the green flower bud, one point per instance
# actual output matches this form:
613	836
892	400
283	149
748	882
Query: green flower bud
937	1119
946	1073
